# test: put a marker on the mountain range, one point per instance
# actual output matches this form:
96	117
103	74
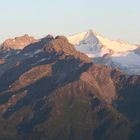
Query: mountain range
51	91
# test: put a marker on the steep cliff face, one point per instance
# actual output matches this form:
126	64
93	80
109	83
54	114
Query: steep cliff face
54	92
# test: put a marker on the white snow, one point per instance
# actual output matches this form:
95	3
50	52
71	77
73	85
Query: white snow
26	54
41	60
75	39
37	51
31	54
94	44
7	55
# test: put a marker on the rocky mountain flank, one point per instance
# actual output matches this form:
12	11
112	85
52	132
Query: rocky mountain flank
51	91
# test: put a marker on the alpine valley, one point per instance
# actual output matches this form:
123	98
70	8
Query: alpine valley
83	87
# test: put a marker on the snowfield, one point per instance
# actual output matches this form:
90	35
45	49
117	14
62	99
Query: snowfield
119	53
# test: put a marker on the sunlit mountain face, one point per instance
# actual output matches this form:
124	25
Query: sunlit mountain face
114	53
75	88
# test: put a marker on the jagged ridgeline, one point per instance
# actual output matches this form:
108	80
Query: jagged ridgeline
50	91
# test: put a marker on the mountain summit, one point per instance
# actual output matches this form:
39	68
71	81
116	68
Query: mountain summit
114	53
18	42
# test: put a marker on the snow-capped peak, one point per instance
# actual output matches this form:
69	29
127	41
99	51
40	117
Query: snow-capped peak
76	38
115	53
95	44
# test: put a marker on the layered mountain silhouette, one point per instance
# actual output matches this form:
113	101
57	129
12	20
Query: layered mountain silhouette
51	91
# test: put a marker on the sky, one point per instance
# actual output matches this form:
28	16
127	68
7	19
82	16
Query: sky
116	19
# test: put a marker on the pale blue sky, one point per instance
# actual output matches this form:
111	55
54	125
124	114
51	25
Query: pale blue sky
117	19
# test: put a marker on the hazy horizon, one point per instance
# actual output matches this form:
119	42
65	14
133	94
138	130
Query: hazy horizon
114	19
